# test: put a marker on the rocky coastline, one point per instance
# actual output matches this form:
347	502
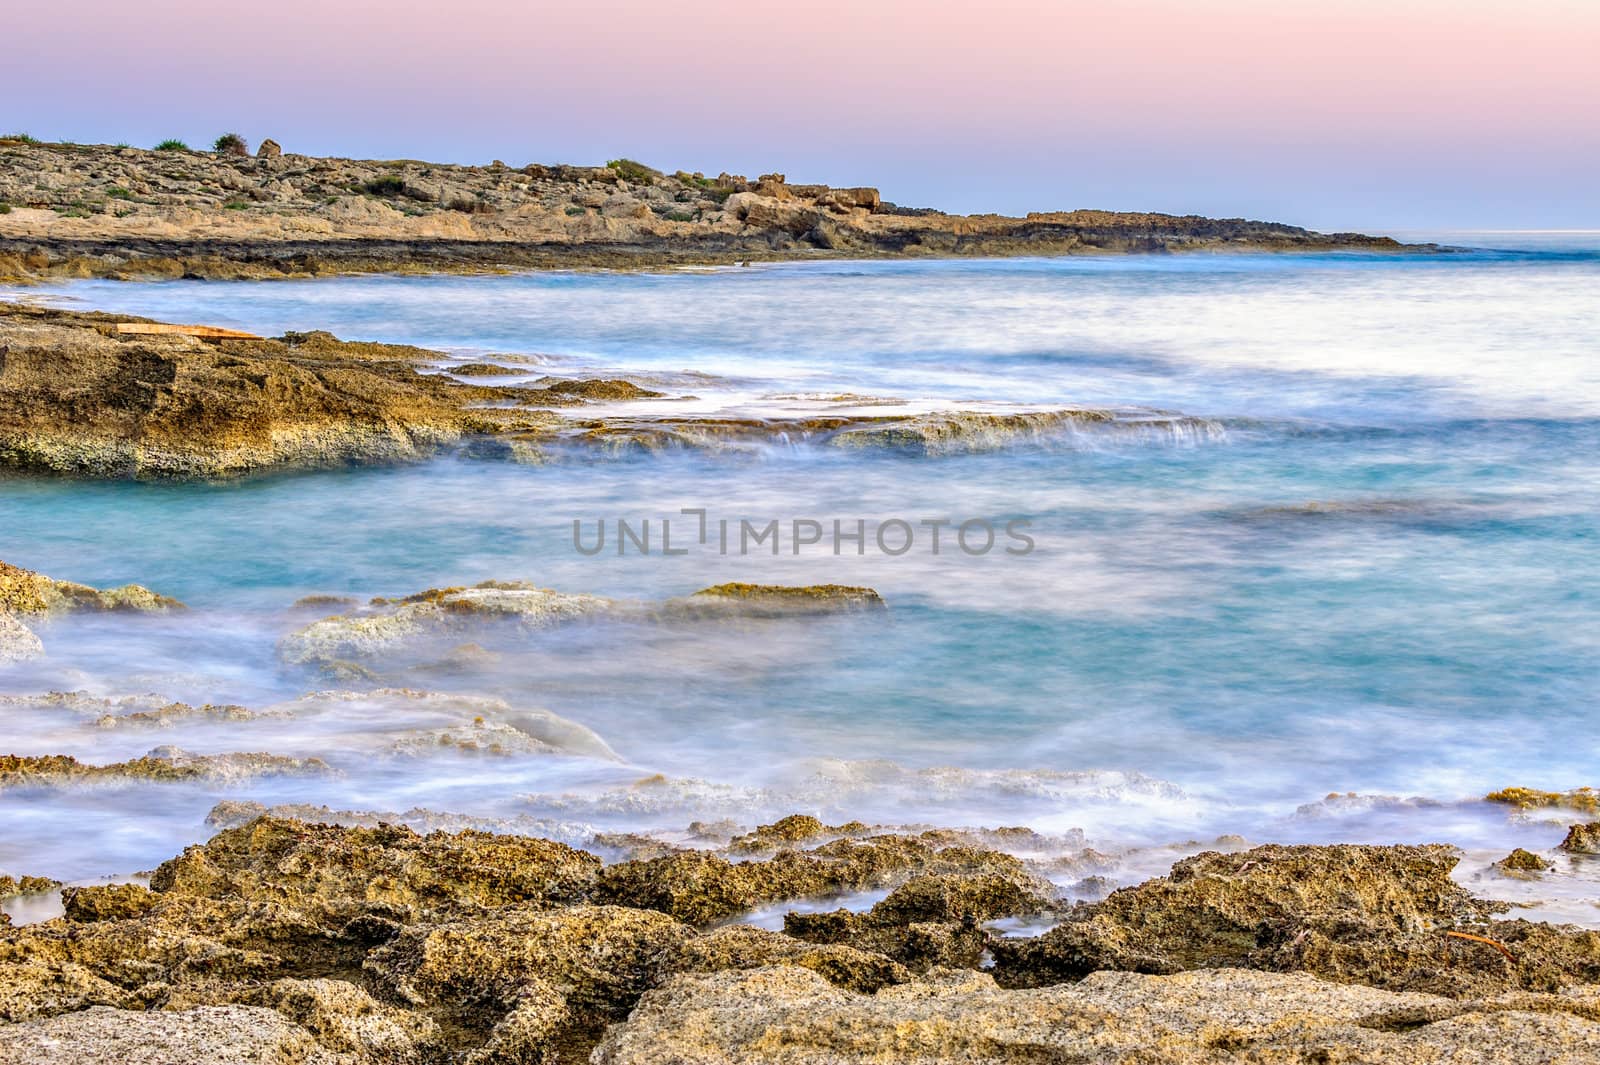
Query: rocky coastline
313	936
72	211
80	397
292	941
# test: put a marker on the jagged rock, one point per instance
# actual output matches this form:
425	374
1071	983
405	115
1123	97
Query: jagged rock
108	902
164	763
701	888
12	886
268	149
1371	915
790	1016
1584	800
744	947
1583	839
1522	862
337	874
931	920
600	959
796	828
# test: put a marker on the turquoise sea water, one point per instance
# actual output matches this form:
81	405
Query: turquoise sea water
1364	560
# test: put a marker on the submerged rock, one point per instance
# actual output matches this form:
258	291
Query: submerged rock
390	624
774	600
387	626
791	1016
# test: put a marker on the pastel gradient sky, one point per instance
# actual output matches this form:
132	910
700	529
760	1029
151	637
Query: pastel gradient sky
1335	114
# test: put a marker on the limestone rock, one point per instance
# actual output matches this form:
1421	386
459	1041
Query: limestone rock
600	958
744	947
18	643
1371	915
390	625
701	888
268	149
790	1016
216	1035
1583	839
26	592
338	874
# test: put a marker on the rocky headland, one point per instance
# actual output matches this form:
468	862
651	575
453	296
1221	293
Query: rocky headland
70	210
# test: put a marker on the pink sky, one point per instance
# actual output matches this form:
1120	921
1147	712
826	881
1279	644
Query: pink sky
1334	114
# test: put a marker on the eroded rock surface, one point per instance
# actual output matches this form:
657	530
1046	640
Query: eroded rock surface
794	1016
283	940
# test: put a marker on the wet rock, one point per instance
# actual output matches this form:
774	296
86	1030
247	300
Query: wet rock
172	714
77	397
12	886
701	888
1584	800
216	1035
161	764
744	947
23	591
1583	839
770	600
18	643
940	434
337	874
1373	915
1522	862
391	624
796	828
794	1017
596	389
931	920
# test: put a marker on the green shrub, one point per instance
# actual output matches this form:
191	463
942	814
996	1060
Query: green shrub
25	138
471	206
230	144
575	210
5	208
679	216
236	205
172	145
633	171
387	185
117	192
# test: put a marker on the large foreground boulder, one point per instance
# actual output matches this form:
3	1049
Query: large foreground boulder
792	1016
